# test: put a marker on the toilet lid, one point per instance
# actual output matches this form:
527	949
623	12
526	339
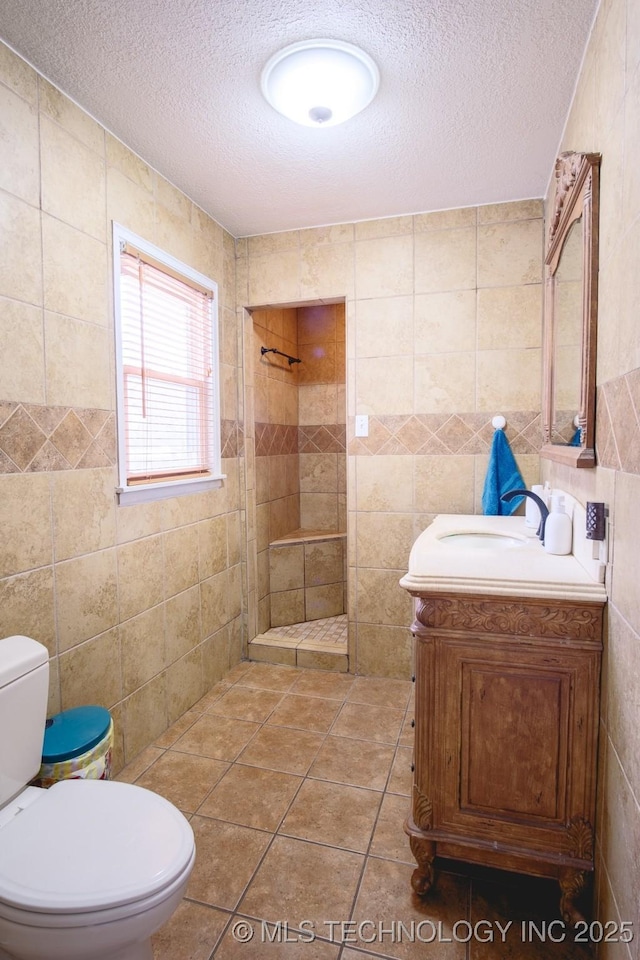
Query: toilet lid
91	844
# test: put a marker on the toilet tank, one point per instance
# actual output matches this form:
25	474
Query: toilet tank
24	686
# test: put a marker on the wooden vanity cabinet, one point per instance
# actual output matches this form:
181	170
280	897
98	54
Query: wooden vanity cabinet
506	732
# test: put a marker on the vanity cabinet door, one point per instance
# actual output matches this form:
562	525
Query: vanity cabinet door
517	741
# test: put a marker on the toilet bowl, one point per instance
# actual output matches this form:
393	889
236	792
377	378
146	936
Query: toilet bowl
89	869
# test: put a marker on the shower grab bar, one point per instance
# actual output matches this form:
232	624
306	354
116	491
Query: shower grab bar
291	360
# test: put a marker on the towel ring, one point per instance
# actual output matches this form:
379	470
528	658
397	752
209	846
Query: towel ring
499	422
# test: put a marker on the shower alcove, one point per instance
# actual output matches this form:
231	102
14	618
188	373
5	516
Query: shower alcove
296	424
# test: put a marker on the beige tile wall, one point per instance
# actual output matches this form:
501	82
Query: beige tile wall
306	580
274	384
140	607
443	318
322	400
605	118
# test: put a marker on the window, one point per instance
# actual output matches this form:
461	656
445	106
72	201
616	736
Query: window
167	367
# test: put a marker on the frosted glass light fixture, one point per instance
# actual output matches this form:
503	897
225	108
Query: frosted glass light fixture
320	82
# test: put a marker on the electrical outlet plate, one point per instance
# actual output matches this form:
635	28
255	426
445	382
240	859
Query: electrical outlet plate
592	554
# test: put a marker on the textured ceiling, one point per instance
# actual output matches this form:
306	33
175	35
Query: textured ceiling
471	106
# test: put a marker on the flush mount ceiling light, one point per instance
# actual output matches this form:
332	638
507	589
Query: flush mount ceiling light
320	82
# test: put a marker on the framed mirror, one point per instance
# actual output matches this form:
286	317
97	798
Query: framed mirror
570	313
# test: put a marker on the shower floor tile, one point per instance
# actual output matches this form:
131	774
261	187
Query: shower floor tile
326	637
327	630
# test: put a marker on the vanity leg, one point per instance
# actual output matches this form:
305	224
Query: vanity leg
572	883
423	876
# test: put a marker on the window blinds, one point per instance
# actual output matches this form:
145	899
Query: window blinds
166	342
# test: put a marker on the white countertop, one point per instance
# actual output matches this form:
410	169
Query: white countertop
522	569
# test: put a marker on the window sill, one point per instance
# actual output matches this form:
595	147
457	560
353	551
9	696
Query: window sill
149	492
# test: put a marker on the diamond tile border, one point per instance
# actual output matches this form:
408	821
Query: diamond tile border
445	434
275	439
434	434
39	437
36	438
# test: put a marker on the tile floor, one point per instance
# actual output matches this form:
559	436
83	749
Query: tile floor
296	783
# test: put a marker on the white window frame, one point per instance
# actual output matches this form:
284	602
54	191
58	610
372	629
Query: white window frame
129	494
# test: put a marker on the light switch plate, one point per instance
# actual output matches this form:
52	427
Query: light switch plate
362	425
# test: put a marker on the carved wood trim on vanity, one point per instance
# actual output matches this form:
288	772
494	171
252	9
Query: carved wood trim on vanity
522	673
422	810
526	618
580	839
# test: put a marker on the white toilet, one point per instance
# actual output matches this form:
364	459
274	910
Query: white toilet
89	869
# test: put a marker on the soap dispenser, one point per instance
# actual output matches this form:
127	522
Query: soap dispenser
558	530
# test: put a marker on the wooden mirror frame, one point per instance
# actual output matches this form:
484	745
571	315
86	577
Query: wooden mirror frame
577	195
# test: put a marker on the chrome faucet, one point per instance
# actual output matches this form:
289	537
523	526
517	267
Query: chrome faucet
544	513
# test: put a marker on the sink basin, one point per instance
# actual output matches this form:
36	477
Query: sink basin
496	556
477	540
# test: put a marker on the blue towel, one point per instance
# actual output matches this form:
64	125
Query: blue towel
502	475
576	439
